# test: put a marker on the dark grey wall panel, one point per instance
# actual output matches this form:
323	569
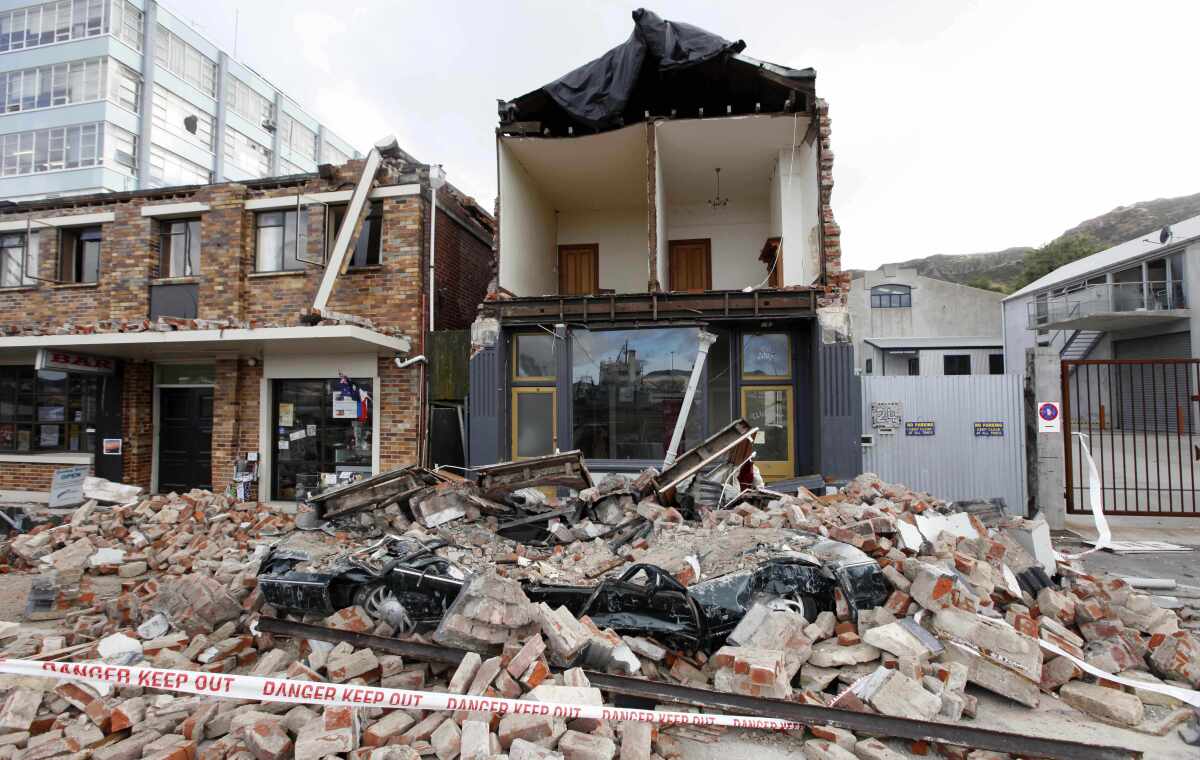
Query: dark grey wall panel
841	411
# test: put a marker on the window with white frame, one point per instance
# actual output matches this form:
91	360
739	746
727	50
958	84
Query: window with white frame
168	169
331	154
186	121
185	61
126	23
12	256
282	238
297	137
120	149
42	150
246	101
247	154
47	23
69	83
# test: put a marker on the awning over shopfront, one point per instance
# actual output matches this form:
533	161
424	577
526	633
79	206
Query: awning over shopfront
179	344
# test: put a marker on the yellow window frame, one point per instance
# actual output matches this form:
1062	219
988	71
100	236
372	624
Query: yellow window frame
517	392
516	376
775	469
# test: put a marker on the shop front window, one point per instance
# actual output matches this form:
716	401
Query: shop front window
47	410
319	434
627	389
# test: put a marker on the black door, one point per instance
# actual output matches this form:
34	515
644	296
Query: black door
185	439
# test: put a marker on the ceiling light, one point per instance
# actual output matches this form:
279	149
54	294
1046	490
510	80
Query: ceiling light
717	201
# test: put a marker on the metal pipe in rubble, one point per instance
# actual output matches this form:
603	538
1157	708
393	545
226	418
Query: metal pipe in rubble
705	340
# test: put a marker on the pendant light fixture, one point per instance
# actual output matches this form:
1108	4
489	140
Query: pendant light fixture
717	201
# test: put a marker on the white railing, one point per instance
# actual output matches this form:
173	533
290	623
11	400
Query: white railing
1106	298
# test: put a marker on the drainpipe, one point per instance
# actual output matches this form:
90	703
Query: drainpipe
705	340
437	178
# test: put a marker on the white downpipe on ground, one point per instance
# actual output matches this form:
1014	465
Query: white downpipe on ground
705	339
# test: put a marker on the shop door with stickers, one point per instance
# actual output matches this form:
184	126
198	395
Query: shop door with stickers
318	434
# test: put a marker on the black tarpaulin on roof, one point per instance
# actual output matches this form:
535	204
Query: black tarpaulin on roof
596	93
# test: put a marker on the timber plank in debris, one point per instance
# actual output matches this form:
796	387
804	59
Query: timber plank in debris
735	440
566	469
391	487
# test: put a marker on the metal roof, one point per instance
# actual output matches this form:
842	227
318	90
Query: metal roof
936	342
1131	250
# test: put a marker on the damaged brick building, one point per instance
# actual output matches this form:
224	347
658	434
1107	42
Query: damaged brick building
172	338
672	189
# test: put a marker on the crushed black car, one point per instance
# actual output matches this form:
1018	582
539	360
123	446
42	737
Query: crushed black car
406	583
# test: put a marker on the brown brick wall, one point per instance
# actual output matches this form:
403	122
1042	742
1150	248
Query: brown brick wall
22	476
137	422
837	282
392	295
462	270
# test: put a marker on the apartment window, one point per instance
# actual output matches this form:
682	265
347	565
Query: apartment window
366	246
47	411
914	366
12	253
168	169
280	238
995	364
180	118
330	154
120	148
185	61
245	101
891	297
179	248
42	150
79	254
126	23
124	86
47	23
956	364
297	137
246	154
870	367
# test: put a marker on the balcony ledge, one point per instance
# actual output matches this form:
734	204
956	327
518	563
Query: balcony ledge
1110	321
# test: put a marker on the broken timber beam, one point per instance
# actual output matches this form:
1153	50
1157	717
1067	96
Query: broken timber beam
736	439
960	734
356	209
565	469
813	715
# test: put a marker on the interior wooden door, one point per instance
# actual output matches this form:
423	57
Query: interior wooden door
691	265
578	269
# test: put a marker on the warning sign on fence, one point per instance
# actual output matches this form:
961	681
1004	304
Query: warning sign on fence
1048	417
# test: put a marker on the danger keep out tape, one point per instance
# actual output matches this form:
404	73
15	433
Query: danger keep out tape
226	686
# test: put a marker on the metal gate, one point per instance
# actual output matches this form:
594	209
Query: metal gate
956	436
1140	417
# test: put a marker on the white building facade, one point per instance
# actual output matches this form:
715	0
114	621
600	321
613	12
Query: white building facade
907	324
114	95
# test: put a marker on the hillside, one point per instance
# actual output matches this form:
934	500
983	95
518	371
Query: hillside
1011	268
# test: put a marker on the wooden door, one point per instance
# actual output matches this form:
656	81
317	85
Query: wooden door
578	269
185	439
691	265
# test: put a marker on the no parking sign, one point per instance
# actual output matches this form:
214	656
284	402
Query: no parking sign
1048	417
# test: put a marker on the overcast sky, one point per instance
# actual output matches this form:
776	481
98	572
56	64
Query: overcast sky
957	126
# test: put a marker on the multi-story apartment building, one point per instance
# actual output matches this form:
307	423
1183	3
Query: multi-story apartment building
170	337
115	95
671	190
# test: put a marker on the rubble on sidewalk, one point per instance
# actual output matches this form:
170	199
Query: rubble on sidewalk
873	597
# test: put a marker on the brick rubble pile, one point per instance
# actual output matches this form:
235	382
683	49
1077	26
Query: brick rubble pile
964	608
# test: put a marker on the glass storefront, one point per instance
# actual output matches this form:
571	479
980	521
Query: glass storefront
627	389
47	410
317	433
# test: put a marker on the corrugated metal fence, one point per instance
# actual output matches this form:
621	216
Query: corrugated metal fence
957	436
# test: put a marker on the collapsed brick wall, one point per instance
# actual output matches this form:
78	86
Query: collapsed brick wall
392	294
837	282
462	271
